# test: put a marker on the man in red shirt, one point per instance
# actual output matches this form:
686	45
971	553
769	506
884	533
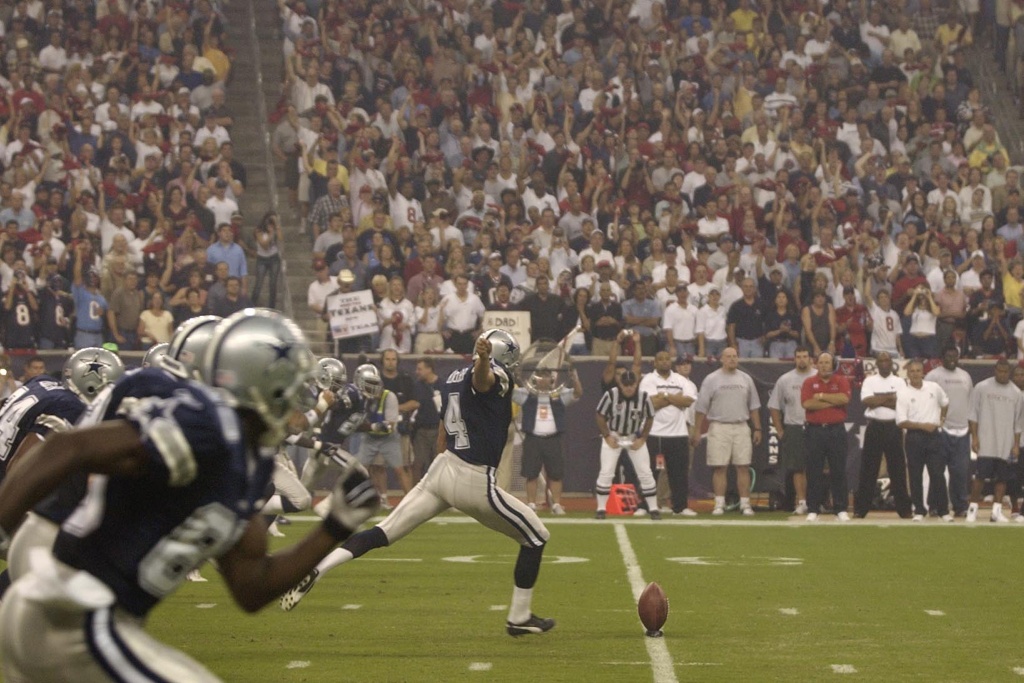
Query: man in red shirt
905	279
824	397
852	323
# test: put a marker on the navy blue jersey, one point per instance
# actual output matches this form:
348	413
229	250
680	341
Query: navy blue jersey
39	407
344	417
19	322
476	424
142	535
55	311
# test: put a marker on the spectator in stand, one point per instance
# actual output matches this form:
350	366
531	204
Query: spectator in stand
156	324
547	312
643	314
606	321
397	318
126	305
920	341
56	311
679	321
428	323
819	323
782	326
234	299
269	240
226	250
461	315
993	337
90	305
746	323
952	307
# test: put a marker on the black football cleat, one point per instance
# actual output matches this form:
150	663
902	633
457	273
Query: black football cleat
655	515
534	624
601	514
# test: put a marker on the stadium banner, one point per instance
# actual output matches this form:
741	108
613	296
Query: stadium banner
352	314
515	322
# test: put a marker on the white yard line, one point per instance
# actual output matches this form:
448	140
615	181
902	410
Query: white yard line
793	523
480	666
843	669
661	661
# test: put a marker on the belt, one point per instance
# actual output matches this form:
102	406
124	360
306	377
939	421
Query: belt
544	436
923	431
834	424
882	422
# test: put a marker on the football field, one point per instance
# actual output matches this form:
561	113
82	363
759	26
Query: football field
762	600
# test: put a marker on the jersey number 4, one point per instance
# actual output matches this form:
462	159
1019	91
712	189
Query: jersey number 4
454	424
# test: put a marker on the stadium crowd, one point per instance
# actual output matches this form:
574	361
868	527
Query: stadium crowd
118	184
752	175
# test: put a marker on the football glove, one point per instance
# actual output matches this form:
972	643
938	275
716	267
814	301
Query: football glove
353	501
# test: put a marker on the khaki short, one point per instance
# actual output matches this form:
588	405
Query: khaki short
729	444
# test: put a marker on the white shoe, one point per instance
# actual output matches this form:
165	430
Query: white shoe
323	508
918	518
666	510
557	509
1018	518
800	509
384	504
639	512
274	531
195	577
948	517
843	516
747	511
999	518
688	512
812	516
718	511
532	506
972	512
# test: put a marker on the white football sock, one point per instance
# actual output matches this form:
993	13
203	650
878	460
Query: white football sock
602	501
519	610
719	501
997	509
652	503
333	559
274	506
744	503
323	507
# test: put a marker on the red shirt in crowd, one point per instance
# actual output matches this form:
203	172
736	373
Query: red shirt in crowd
836	384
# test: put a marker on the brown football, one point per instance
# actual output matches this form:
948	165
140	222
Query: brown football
652	608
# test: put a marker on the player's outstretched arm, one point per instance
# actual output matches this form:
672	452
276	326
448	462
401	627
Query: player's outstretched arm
483	376
255	578
108	448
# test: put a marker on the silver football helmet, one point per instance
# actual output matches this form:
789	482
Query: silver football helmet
154	355
368	381
188	343
88	370
331	375
505	349
261	361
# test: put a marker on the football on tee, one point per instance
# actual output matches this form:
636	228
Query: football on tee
653	609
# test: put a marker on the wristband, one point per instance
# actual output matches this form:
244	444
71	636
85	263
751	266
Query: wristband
312	418
336	529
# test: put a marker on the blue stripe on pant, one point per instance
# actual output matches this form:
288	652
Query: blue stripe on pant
111	652
826	443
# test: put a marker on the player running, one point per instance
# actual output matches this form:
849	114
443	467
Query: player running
44	405
179	470
476	409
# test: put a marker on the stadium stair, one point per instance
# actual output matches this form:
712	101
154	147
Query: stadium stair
249	19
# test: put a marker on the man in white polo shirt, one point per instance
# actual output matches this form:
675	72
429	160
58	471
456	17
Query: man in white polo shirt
461	313
672	395
920	411
680	324
878	396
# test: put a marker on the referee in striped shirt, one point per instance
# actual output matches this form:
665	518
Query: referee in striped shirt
624	418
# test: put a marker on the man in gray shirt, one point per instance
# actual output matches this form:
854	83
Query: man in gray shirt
728	399
788	418
954	435
995	417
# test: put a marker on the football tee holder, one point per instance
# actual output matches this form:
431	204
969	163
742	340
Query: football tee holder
622	500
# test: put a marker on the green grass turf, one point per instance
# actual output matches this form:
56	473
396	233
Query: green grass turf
861	592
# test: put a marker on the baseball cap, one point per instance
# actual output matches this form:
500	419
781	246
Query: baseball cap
604	262
439	212
346	276
319	264
495	254
978	253
683	360
628	377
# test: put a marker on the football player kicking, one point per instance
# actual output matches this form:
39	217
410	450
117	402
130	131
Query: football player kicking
476	409
42	406
178	473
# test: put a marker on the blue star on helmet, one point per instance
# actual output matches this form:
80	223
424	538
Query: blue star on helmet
512	346
282	349
95	366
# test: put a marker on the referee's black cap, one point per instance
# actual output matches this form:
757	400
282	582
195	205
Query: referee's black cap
628	378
